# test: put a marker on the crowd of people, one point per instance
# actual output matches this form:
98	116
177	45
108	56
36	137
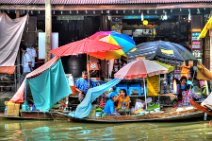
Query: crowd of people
116	102
112	103
119	103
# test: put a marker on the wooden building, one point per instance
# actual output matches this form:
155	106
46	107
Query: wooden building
175	20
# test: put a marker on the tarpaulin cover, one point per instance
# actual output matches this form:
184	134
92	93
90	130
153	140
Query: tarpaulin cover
49	87
208	102
11	31
19	95
7	69
84	108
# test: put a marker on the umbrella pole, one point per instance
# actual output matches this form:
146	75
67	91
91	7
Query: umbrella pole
88	69
145	92
159	91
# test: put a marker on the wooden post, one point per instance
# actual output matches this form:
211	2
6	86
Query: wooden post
48	28
17	85
210	49
105	24
210	46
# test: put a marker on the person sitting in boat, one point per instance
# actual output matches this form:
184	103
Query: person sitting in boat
185	92
82	85
181	88
109	108
123	102
190	87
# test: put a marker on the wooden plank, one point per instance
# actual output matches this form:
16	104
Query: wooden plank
107	7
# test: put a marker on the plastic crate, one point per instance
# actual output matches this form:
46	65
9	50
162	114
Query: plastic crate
136	88
122	86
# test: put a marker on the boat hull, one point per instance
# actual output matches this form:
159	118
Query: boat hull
197	115
38	116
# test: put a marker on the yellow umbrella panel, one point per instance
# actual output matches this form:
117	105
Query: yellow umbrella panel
207	27
112	54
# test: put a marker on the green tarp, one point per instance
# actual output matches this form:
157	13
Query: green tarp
49	87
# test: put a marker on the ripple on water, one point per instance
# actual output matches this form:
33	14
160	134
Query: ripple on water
54	130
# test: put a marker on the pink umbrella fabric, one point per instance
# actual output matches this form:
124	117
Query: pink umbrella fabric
84	46
140	69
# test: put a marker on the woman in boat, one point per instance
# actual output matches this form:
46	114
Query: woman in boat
182	87
123	102
109	108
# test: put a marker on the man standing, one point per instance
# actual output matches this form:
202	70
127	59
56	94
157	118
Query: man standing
32	52
26	62
82	85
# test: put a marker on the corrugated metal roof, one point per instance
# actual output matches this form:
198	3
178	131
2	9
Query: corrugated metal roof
81	2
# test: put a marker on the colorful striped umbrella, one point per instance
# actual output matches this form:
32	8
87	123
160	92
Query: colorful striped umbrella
115	38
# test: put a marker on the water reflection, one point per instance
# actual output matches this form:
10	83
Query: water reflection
58	130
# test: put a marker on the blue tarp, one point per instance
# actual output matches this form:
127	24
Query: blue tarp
49	87
84	108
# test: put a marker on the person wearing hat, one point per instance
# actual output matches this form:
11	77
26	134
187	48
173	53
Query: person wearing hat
82	85
109	108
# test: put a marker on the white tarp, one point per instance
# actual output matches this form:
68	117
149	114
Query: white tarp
208	102
11	31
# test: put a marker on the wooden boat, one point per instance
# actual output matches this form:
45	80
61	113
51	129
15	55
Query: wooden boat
37	115
199	107
185	115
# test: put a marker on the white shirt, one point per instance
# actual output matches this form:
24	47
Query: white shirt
25	60
32	53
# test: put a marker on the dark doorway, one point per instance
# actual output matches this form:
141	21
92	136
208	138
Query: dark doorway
74	30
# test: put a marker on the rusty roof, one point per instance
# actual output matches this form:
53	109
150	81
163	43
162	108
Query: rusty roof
98	2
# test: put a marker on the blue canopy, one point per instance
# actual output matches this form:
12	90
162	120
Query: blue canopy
84	108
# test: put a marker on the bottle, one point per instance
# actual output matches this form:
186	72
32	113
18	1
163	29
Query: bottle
5	111
30	107
33	108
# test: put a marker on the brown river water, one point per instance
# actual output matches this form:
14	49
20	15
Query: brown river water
63	130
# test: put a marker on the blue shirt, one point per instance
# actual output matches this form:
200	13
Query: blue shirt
109	107
82	85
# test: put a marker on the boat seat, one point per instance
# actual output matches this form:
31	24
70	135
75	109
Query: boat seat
124	112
